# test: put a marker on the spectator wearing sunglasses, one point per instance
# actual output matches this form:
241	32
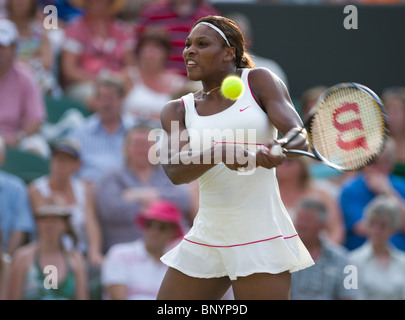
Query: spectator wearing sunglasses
133	270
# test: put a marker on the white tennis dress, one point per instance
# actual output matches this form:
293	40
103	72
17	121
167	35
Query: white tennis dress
242	226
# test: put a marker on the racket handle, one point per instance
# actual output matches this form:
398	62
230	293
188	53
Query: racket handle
276	150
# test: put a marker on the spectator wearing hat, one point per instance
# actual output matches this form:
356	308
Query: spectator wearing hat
16	222
22	109
96	43
46	261
75	193
133	271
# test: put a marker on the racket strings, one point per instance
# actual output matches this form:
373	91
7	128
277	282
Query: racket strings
348	129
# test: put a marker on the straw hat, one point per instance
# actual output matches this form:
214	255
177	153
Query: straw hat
115	7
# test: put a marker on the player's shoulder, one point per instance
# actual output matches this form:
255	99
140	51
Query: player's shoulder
173	106
263	81
262	74
174	109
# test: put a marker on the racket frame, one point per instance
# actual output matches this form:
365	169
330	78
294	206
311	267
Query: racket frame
308	126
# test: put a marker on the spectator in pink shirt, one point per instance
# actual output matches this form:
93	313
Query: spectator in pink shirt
22	109
95	43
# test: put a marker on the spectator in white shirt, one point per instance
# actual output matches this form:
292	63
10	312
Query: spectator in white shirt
133	270
380	266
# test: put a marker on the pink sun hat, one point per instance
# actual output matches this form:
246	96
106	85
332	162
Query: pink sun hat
165	211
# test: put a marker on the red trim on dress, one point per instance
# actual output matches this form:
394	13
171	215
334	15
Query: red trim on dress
240	244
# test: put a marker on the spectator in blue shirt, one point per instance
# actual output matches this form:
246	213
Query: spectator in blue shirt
16	218
101	137
375	179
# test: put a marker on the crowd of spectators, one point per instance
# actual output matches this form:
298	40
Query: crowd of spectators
104	214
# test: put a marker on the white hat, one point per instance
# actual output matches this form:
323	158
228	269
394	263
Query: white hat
8	32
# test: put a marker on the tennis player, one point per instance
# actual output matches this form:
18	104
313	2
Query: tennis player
242	235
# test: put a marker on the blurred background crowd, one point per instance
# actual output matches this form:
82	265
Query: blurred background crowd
77	189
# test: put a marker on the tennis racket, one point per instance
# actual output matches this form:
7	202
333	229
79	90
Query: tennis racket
347	128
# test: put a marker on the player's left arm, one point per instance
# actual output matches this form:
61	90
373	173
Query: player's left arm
272	95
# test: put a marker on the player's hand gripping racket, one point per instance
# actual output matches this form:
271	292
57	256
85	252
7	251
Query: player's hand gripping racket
347	128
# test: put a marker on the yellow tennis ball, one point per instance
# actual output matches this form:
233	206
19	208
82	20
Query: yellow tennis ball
232	87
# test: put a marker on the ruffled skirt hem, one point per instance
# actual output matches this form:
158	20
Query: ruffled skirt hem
273	256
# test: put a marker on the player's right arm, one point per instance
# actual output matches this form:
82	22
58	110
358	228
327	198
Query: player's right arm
180	163
183	165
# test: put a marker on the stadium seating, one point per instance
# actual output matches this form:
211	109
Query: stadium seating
56	108
25	165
